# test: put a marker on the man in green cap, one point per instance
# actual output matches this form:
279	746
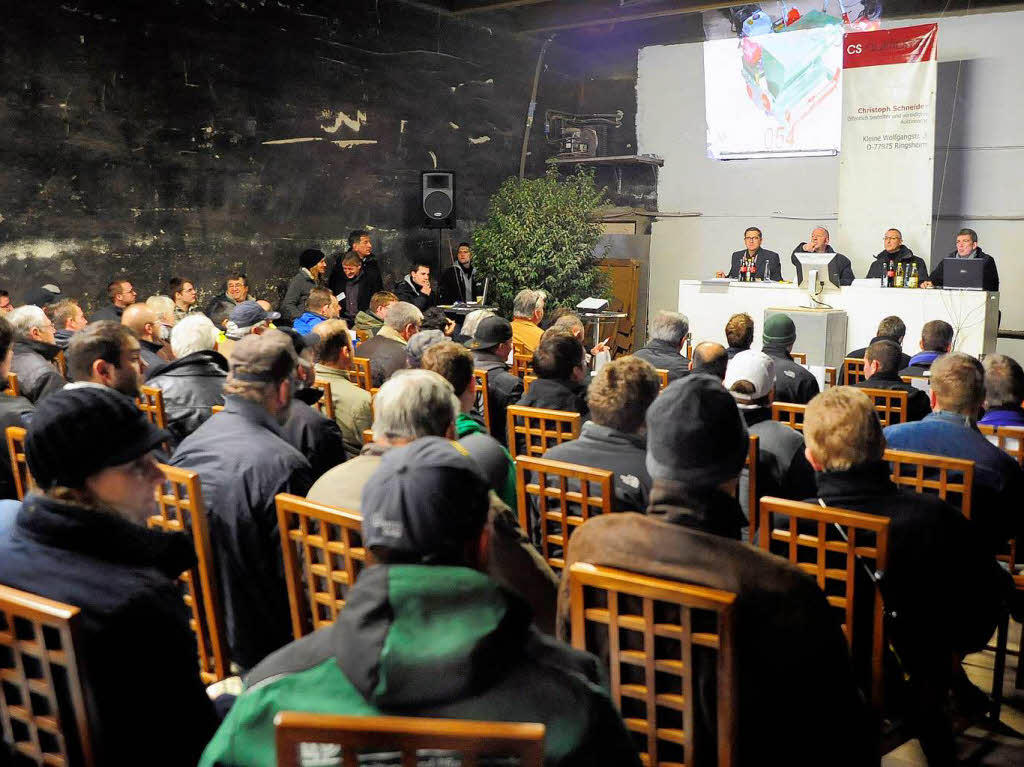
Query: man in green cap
793	382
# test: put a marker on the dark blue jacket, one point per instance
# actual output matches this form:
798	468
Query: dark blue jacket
318	438
920	364
1003	416
793	382
243	461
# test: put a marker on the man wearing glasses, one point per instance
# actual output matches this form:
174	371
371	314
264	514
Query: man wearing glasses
121	294
34	347
754	263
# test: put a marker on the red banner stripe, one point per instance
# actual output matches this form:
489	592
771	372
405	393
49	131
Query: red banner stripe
901	45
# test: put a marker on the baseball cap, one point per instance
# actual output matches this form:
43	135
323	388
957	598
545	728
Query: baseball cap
490	332
265	358
757	368
249	313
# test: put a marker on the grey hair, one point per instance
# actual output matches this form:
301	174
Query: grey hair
401	314
473	319
163	308
26	317
527	301
195	333
419	343
413	404
669	326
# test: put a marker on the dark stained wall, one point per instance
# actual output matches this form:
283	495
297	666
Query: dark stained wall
147	140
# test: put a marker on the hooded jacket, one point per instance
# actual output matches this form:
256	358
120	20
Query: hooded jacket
306	322
503	389
433	641
1003	416
410	292
37	377
191	387
920	364
367	320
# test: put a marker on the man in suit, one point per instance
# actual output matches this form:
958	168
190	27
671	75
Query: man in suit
839	269
766	262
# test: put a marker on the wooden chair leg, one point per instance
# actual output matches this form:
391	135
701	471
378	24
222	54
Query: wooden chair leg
1018	681
999	668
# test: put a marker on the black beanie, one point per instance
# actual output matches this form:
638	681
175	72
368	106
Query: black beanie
310	258
75	433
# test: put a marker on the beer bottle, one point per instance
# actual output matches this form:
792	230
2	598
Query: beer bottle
912	282
899	275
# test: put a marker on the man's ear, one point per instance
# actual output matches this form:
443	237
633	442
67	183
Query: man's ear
815	463
932	399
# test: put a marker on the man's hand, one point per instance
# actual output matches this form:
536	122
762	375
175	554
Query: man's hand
808	248
719	275
425	288
927	284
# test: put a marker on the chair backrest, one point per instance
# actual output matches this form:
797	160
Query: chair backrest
522	364
151	402
402	738
12	385
326	403
662	623
216	409
800	357
662	378
540	428
951	478
363	335
1009	439
367	436
789	413
831	544
483	402
527	380
360	373
23	481
750	464
520	348
42	700
853	370
181	509
556	497
323	553
830	376
890	404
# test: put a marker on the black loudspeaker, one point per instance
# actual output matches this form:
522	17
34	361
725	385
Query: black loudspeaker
438	199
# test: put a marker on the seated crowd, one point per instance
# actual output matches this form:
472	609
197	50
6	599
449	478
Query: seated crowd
377	403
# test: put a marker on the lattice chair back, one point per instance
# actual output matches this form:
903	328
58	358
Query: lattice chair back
151	402
363	335
325	405
360	374
23	481
1009	439
13	389
483	402
409	741
522	364
532	430
890	404
832	545
655	633
527	382
799	357
323	553
180	508
789	413
556	497
952	479
830	376
853	370
43	706
662	378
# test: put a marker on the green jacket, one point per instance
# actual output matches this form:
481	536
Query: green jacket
466	425
429	640
369	321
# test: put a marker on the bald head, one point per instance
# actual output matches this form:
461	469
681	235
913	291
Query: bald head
711	358
141	320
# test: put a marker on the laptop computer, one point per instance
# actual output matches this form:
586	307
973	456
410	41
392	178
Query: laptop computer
963	273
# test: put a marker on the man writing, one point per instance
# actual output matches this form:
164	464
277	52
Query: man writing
840	271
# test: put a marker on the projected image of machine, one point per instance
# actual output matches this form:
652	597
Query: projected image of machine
580	135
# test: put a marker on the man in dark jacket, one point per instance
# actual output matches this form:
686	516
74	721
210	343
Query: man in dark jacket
796	698
311	266
360	245
967	247
793	383
491	345
840	271
236	290
194	382
14	411
34	349
415	289
739	333
895	252
350	282
891	328
935	614
82	540
243	461
68	319
881	371
561	372
106	353
616	437
141	320
936	340
666	339
1004	391
766	264
386	350
121	295
461	282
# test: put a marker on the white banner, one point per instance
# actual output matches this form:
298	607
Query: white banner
888	141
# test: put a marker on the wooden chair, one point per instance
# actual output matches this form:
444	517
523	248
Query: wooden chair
483	402
890	404
1009	439
323	554
367	436
151	402
527	380
360	374
522	364
12	385
853	370
556	497
325	405
789	413
363	335
750	464
519	348
403	738
540	428
654	633
800	357
216	409
181	509
830	376
42	701
841	542
23	481
934	473
662	378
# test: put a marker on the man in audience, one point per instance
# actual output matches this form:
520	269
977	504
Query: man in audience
796	698
462	281
793	383
840	270
527	312
1004	391
967	247
766	263
782	469
404	645
936	340
491	345
561	375
236	290
321	305
739	333
183	293
419	403
14	411
163	308
616	438
141	320
709	358
957	393
247	318
897	253
121	295
6	305
469	324
434	318
419	344
881	371
243	461
360	245
891	328
106	354
350	283
34	348
570	322
194	382
353	411
373	318
943	590
666	339
311	265
68	319
415	288
82	539
386	350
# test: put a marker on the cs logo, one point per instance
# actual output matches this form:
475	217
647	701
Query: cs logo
854	48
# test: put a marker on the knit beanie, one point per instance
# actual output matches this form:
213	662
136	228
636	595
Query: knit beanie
310	258
76	433
779	330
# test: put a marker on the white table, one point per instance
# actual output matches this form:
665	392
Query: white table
973	314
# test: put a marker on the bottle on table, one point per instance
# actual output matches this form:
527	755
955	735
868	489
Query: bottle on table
891	274
752	271
899	275
912	281
743	272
